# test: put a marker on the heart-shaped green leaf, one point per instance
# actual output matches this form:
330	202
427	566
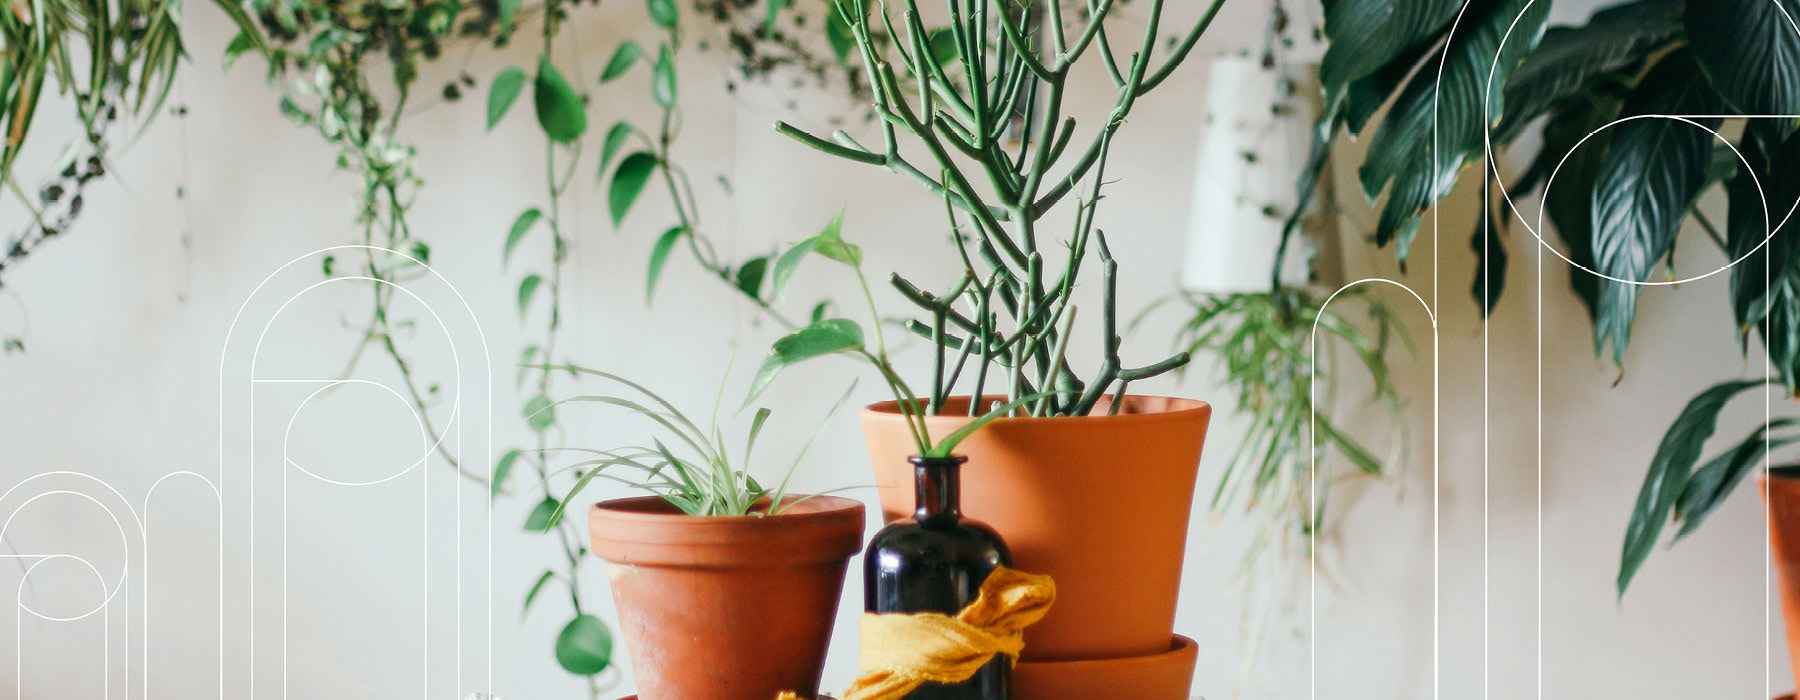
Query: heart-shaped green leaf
817	340
622	59
584	647
628	182
660	255
559	109
520	227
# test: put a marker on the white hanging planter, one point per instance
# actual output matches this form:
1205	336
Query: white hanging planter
1255	135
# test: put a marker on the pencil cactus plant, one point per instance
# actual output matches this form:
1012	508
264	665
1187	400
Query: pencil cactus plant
1001	153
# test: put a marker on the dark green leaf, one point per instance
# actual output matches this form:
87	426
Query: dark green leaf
1490	253
840	36
750	276
615	140
544	516
1611	47
326	264
1367	34
537	588
775	8
628	182
662	82
1749	50
659	255
1714	481
1668	474
817	340
520	227
1567	201
623	57
502	93
584	647
1764	276
1438	123
243	43
502	469
1653	170
527	289
540	413
559	110
664	14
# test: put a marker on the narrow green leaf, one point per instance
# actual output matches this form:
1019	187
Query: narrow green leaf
501	470
628	182
540	413
664	14
660	255
537	588
527	289
520	227
662	82
525	357
788	262
543	517
819	339
831	243
750	277
1714	481
502	93
559	110
623	58
1669	471
584	647
240	44
615	140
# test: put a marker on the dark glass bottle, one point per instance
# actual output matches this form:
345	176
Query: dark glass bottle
936	561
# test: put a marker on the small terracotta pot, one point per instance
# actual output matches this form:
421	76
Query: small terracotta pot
1783	488
726	608
1099	503
1165	676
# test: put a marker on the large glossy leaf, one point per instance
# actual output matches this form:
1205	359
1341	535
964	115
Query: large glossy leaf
1714	481
1669	472
1764	271
1750	51
1438	122
1368	34
1567	203
1653	170
1490	253
826	337
584	647
559	109
1570	60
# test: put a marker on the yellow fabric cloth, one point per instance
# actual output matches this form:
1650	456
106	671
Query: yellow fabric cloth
900	652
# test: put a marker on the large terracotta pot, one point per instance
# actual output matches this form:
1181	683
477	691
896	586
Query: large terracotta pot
1783	488
1100	503
726	608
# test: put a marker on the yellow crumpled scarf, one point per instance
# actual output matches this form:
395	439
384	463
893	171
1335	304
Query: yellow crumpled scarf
900	652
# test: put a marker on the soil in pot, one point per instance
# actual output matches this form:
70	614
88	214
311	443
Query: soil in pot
1100	503
726	608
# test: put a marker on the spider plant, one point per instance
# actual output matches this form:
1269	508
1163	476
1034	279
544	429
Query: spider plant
690	466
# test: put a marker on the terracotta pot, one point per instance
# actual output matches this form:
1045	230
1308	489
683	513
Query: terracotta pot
1783	488
1100	503
726	608
1165	676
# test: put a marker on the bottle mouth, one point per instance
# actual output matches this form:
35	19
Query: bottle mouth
950	461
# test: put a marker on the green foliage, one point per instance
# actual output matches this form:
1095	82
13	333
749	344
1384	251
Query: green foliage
1620	198
559	110
502	93
628	182
699	475
1284	354
963	97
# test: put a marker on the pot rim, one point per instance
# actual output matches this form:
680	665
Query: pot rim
1183	409
651	509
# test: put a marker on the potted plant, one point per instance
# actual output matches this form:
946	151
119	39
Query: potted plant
1626	178
726	588
1086	482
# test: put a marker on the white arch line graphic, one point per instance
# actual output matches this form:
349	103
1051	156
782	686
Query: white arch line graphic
1490	178
487	382
1313	475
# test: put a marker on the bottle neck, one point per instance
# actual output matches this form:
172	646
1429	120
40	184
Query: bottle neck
939	488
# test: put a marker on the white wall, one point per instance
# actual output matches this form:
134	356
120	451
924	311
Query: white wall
127	326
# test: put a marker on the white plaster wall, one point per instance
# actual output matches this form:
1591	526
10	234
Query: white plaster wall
126	327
